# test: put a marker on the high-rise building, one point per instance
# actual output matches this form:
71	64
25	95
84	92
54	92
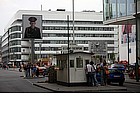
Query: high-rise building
124	13
0	50
88	27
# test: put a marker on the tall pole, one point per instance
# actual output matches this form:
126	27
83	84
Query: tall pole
40	53
32	51
128	42
137	49
73	20
118	45
8	58
68	51
40	50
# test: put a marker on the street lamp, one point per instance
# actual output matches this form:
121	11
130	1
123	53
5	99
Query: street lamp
68	52
127	27
40	52
137	43
73	20
40	49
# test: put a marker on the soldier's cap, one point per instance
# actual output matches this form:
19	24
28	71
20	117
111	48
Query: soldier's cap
32	19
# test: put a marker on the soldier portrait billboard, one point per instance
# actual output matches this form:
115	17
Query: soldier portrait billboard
32	26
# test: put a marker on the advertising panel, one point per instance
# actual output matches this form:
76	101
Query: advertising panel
128	30
31	26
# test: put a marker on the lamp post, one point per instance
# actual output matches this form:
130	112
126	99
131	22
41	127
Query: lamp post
68	51
40	52
128	41
73	20
40	49
137	43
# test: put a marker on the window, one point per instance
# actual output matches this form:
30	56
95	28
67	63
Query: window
79	62
71	63
121	8
113	8
130	7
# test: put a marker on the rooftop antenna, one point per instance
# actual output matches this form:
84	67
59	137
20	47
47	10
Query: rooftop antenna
41	7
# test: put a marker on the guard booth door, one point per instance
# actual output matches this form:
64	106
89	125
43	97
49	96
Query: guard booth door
77	70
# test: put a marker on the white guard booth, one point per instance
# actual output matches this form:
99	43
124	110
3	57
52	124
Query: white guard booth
74	73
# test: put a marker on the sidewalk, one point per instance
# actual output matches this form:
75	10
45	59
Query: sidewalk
132	81
60	88
42	82
80	89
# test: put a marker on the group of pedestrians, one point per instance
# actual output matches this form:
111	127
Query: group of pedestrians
96	74
30	70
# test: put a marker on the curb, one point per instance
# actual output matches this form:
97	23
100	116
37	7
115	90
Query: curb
82	91
35	84
138	83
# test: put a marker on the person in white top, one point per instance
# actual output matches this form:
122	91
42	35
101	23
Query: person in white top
89	69
94	74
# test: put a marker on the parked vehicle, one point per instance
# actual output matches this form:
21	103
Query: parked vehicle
118	66
132	70
116	75
41	70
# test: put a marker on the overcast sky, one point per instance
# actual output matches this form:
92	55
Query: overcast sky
9	7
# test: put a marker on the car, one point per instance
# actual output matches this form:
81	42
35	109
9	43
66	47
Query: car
119	66
41	70
132	71
116	75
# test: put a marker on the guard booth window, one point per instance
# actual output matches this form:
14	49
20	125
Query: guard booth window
79	62
62	64
86	62
71	63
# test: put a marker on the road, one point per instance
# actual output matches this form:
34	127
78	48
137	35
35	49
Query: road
132	88
11	81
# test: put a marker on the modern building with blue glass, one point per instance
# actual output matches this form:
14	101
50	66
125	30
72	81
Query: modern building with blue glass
125	12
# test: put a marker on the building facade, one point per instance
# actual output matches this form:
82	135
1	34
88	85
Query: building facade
0	50
88	27
127	43
126	14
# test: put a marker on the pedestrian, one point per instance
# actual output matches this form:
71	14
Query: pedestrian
98	73
94	79
28	69
105	72
89	70
34	70
31	70
25	70
37	71
86	72
102	74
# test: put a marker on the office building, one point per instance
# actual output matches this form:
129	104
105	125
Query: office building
0	50
126	14
88	27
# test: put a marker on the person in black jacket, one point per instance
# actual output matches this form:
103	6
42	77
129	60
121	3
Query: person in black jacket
32	31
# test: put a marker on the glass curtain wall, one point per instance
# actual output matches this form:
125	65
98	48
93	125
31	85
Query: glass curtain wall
109	9
113	9
119	8
130	7
138	5
106	9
